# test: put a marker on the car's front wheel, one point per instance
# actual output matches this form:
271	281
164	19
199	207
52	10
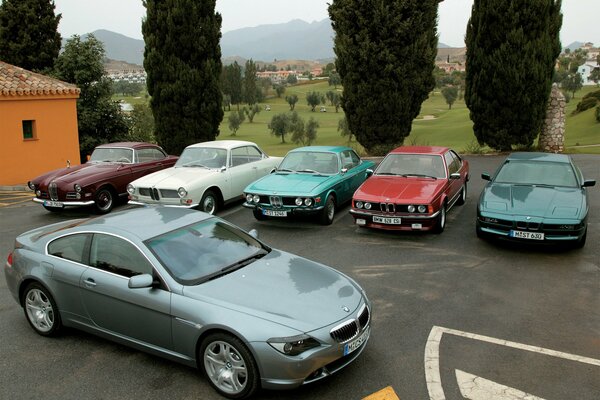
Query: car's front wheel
328	212
40	310
463	195
104	200
209	202
441	220
229	366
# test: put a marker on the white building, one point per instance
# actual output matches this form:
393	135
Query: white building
585	70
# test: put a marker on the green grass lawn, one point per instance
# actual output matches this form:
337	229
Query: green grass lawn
436	124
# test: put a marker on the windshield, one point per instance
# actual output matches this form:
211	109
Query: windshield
310	161
412	165
204	250
537	173
207	157
112	154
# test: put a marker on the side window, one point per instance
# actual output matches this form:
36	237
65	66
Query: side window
254	154
72	247
457	160
116	255
239	156
347	160
449	162
355	158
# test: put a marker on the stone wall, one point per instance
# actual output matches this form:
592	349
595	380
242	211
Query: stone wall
552	137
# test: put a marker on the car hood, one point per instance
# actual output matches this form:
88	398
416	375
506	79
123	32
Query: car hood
533	201
80	174
399	189
174	177
285	289
291	183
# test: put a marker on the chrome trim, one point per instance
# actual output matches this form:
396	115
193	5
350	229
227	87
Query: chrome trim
67	203
53	191
424	216
139	203
190	323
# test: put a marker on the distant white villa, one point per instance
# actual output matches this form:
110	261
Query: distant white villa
585	70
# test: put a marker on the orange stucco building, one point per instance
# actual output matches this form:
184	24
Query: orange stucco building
38	124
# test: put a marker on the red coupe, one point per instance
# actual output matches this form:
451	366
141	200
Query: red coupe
103	179
412	189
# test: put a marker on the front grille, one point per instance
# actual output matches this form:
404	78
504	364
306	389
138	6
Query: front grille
364	317
530	226
345	332
53	191
276	201
145	192
150	192
387	207
71	195
169	193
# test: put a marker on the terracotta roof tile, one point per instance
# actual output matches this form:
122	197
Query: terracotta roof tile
15	81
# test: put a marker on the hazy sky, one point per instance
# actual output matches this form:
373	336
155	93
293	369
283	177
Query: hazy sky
580	22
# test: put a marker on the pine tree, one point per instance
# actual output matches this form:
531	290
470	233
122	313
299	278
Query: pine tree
182	58
250	88
512	47
385	57
28	34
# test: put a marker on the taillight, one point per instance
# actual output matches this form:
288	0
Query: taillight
9	260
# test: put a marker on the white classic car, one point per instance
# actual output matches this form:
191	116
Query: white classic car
206	176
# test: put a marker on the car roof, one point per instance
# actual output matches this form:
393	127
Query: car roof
131	145
328	149
539	156
420	150
223	144
144	222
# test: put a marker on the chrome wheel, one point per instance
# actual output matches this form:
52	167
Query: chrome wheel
463	195
225	367
39	310
328	212
441	221
208	204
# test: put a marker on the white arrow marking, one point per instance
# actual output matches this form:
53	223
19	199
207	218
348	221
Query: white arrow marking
477	388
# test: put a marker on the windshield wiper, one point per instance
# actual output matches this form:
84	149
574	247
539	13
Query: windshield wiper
195	165
386	173
310	171
419	176
284	170
232	267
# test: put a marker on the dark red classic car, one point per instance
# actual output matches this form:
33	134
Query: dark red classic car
412	189
103	179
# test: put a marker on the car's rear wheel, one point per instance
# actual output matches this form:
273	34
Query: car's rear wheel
209	202
441	220
104	200
258	214
229	366
40	310
328	212
463	195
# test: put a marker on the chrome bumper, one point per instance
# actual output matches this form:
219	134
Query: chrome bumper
66	203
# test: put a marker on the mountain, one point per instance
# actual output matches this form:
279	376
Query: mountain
119	47
574	46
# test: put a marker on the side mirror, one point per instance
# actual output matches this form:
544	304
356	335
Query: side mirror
455	175
253	233
369	172
223	169
588	183
140	281
486	177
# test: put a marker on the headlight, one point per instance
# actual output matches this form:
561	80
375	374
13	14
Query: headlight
367	206
359	204
411	208
256	198
298	201
182	192
293	345
31	185
38	193
77	188
249	198
130	189
422	209
308	202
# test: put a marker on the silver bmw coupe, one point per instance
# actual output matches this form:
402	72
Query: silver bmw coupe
195	289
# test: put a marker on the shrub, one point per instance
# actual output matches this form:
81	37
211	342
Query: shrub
588	101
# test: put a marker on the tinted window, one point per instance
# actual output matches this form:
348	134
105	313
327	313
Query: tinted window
70	247
537	173
116	255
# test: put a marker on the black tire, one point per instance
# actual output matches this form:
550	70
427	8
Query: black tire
41	310
480	234
440	223
104	200
258	215
53	209
209	203
229	366
328	212
463	195
581	242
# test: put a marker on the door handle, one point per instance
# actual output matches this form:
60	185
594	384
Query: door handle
89	282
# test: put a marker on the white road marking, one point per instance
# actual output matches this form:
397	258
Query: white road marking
474	387
432	356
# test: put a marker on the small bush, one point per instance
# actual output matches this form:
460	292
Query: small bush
473	148
588	101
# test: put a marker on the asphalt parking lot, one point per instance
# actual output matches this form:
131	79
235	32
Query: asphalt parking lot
454	316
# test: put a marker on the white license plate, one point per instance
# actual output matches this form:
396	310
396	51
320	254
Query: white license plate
275	213
387	220
527	235
356	343
50	203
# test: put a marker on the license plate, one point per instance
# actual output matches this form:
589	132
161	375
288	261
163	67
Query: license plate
275	213
356	343
527	235
50	203
387	220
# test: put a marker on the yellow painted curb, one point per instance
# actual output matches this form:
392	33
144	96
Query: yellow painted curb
384	394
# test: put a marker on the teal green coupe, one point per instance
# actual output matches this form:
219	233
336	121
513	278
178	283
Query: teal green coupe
311	180
535	197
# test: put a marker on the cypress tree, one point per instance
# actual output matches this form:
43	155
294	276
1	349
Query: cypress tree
28	34
512	47
182	59
385	57
250	88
